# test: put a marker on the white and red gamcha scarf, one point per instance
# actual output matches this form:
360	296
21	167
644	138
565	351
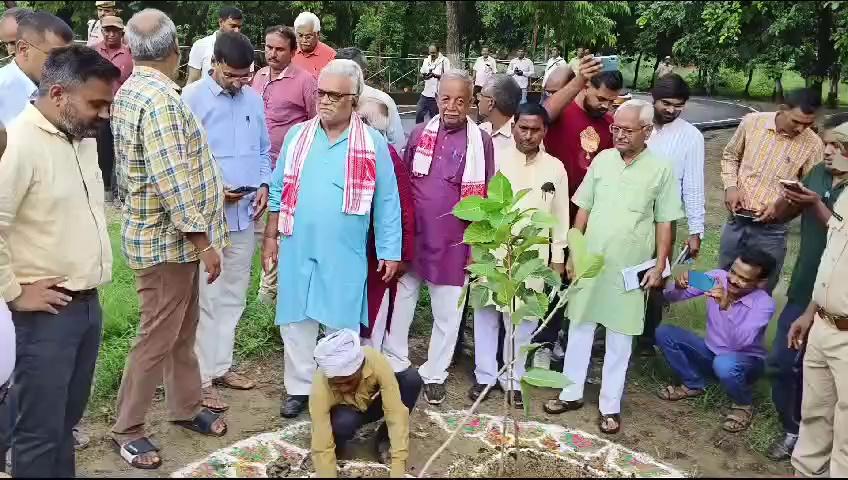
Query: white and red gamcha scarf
474	175
360	171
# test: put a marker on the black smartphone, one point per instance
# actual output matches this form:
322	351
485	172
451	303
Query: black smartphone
244	190
745	213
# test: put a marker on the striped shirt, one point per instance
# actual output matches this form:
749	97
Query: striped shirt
757	157
172	184
683	144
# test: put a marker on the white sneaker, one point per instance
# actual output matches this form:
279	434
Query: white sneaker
542	359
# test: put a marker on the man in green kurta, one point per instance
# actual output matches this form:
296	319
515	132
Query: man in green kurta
627	202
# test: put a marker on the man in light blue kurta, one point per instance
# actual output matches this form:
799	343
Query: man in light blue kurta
322	265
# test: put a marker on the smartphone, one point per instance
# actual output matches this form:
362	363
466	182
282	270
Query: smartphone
701	281
244	190
791	184
608	62
745	213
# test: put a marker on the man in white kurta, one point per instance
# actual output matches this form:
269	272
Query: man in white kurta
521	69
526	166
322	253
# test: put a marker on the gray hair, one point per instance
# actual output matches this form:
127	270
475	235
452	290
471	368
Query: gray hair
505	93
646	110
461	75
345	68
355	54
307	19
151	35
18	13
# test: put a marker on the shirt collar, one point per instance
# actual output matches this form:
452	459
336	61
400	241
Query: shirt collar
318	48
771	124
38	119
212	85
155	74
31	86
506	129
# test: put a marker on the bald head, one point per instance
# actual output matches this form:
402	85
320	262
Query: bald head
151	36
559	78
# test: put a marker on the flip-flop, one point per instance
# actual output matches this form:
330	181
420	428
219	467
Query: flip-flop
235	381
208	394
673	394
202	423
556	407
131	451
602	420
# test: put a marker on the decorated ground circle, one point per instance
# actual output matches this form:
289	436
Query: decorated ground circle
553	450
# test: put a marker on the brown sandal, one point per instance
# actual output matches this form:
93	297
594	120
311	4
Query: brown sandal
602	423
738	419
211	399
557	406
680	392
235	381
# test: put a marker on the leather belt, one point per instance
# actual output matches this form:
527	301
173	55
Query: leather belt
74	294
838	321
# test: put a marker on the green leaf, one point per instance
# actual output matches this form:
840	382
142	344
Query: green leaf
528	268
593	268
470	209
479	232
544	303
479	296
499	220
530	231
524	312
500	189
461	303
527	255
544	219
525	395
505	292
481	254
551	278
519	195
540	377
586	264
484	270
530	349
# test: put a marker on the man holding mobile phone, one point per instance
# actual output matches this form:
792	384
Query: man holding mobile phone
521	69
766	148
233	116
432	68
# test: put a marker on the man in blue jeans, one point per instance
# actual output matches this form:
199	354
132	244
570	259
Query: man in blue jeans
738	312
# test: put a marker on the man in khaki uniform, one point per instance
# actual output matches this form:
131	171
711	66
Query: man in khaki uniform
820	450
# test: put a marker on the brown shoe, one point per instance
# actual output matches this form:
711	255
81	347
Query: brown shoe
235	381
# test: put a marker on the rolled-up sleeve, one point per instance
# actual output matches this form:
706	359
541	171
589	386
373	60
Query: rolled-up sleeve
168	167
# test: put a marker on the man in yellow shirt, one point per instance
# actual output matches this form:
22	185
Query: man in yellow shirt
355	386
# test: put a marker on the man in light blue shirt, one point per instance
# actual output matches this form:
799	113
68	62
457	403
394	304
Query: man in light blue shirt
233	117
38	34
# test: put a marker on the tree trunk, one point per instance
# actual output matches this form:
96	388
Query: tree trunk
635	84
537	19
778	86
654	72
748	84
452	43
833	93
826	54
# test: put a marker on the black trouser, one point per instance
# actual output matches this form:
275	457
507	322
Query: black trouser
656	304
106	156
56	355
426	105
740	234
7	421
787	383
347	420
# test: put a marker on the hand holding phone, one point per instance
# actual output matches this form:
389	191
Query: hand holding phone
701	281
791	185
243	190
609	62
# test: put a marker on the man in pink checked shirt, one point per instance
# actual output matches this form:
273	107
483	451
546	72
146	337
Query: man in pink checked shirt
289	95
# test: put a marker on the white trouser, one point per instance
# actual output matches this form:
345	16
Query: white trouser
447	314
299	340
221	306
578	353
378	333
486	326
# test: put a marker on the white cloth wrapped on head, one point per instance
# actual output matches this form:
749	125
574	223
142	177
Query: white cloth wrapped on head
339	354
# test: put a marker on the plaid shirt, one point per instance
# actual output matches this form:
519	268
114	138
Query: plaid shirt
164	166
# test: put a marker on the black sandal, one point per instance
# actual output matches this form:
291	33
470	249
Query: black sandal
131	451
556	407
202	423
602	421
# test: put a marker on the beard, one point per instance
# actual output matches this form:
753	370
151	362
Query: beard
593	112
663	118
71	124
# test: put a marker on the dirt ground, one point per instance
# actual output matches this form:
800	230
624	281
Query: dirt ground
673	433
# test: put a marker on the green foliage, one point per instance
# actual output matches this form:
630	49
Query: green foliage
541	378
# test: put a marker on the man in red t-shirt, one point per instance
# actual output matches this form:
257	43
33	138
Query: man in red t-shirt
581	127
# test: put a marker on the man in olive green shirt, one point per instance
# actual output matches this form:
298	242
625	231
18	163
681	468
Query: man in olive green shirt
627	202
355	386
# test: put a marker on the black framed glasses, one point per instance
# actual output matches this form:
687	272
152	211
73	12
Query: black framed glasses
334	97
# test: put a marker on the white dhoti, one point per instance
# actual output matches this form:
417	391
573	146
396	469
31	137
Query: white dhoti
299	340
447	314
221	306
378	332
486	327
578	354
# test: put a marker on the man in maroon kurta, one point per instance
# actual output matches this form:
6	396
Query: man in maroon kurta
440	256
581	127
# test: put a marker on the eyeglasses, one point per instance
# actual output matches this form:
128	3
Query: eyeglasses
33	46
334	97
551	92
482	95
235	76
615	130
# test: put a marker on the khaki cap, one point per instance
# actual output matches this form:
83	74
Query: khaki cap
111	21
105	4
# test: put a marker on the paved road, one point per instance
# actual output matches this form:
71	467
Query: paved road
704	113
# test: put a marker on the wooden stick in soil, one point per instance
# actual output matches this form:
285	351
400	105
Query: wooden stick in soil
560	303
